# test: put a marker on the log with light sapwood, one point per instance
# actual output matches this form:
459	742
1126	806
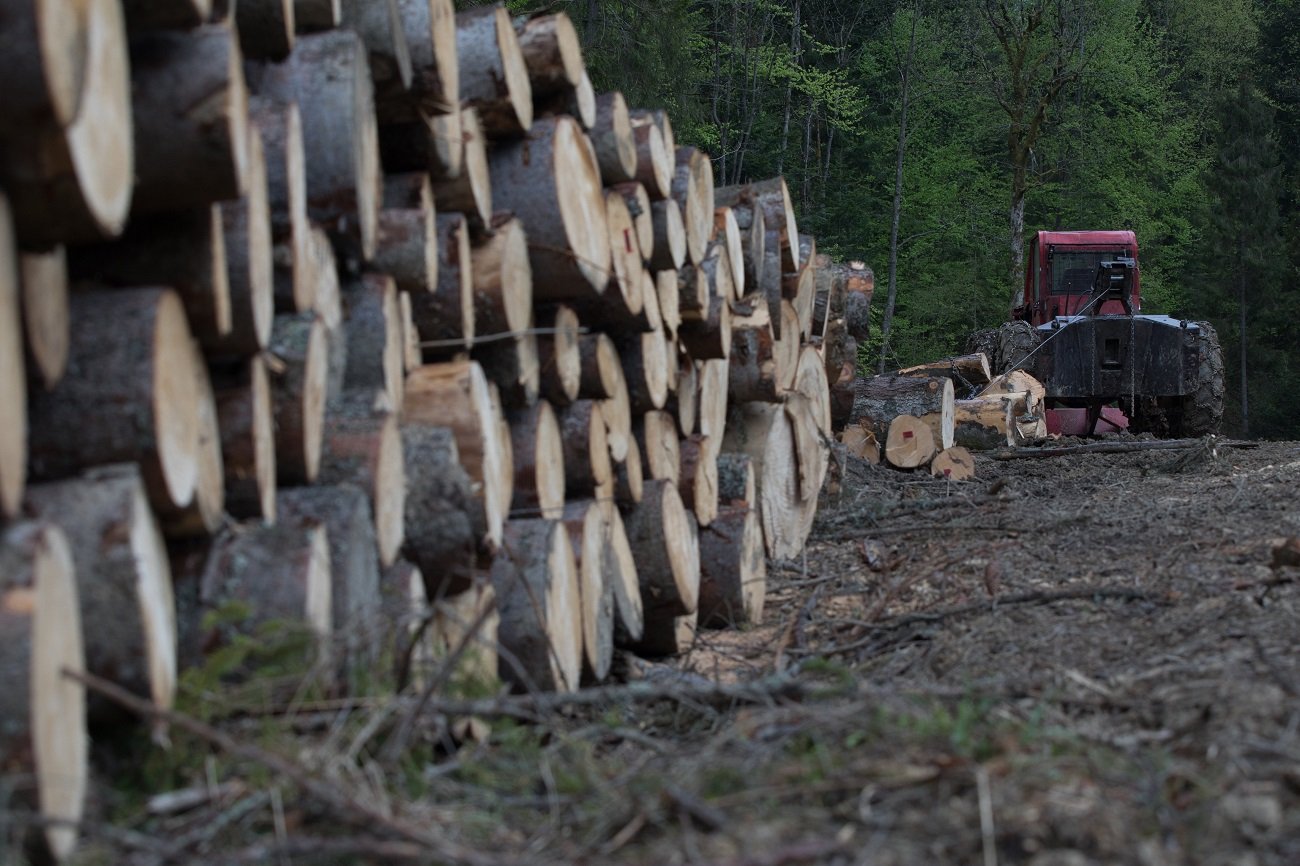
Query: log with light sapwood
445	316
539	600
654	162
165	14
186	251
638	207
717	271
662	533
588	532
842	390
810	381
443	523
513	364
470	191
502	278
298	363
880	398
189	105
72	180
313	16
862	442
788	344
322	266
13	378
857	314
669	251
645	359
552	54
538	461
765	433
1017	382
279	574
286	197
266	27
698	478
773	196
203	515
692	189
811	445
362	446
552	183
43	44
493	75
910	442
612	138
953	464
620	562
693	293
429	143
713	383
668	636
43	278
560	355
726	231
753	372
599	363
355	602
733	569
406	246
669	297
453	617
617	411
659	119
657	439
246	421
751	225
407	618
328	76
708	333
429	28
133	363
684	401
629	476
382	29
43	718
456	395
769	283
588	469
801	290
124	581
985	423
965	371
250	268
374	338
737	486
623	299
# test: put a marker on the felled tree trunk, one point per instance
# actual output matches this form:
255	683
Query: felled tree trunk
442	531
430	30
588	470
552	53
662	536
585	525
246	420
286	197
363	447
559	354
445	315
406	247
612	138
538	451
733	569
669	251
203	515
250	271
910	442
493	75
13	378
692	188
374	338
698	483
881	398
963	370
765	433
502	278
266	27
657	439
469	191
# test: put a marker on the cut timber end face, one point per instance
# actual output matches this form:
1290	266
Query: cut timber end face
910	443
299	386
493	74
44	279
43	716
585	525
13	381
552	53
953	464
546	571
47	77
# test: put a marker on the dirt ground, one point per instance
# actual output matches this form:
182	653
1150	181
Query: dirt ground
1072	661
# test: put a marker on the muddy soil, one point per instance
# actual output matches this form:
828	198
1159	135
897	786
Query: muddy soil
1073	661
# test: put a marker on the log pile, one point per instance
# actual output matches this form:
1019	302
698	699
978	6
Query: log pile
376	319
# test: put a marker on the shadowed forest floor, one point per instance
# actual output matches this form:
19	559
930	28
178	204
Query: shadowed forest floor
1084	660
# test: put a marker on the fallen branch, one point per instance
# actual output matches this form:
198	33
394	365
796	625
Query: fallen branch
1114	448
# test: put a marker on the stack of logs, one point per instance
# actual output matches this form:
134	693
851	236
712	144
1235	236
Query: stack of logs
912	419
374	319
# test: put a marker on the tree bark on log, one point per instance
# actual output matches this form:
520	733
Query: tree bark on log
44	44
286	197
733	570
299	367
502	278
662	536
622	301
443	521
538	451
250	269
639	208
652	131
707	334
166	14
801	290
328	76
737	486
446	315
313	16
406	247
560	357
588	470
132	362
374	338
514	366
246	420
493	75
698	485
964	370
713	383
355	603
612	138
645	370
382	29
470	190
43	717
668	636
555	173
629	476
684	403
752	227
617	411
538	597
124	582
44	281
773	196
910	442
588	534
428	143
189	106
657	439
599	366
753	373
203	515
726	231
669	298
363	447
74	181
552	53
669	252
881	398
982	424
430	30
765	433
692	188
456	395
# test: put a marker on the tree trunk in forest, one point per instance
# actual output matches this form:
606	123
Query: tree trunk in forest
900	154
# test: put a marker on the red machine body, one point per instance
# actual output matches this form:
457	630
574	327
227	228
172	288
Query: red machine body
1061	271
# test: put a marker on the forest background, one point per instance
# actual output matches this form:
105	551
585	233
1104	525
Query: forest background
931	139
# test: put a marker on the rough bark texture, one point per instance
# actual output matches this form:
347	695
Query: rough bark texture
538	451
299	368
733	569
443	525
363	447
493	75
662	536
246	420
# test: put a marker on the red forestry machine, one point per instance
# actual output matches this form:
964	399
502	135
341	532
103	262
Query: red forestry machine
1077	329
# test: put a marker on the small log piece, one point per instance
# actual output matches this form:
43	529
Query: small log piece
538	461
44	281
363	447
298	363
445	316
493	74
443	524
733	569
588	470
539	600
662	536
588	533
612	138
910	442
559	353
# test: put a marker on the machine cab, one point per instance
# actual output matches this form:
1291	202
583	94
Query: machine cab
1062	272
